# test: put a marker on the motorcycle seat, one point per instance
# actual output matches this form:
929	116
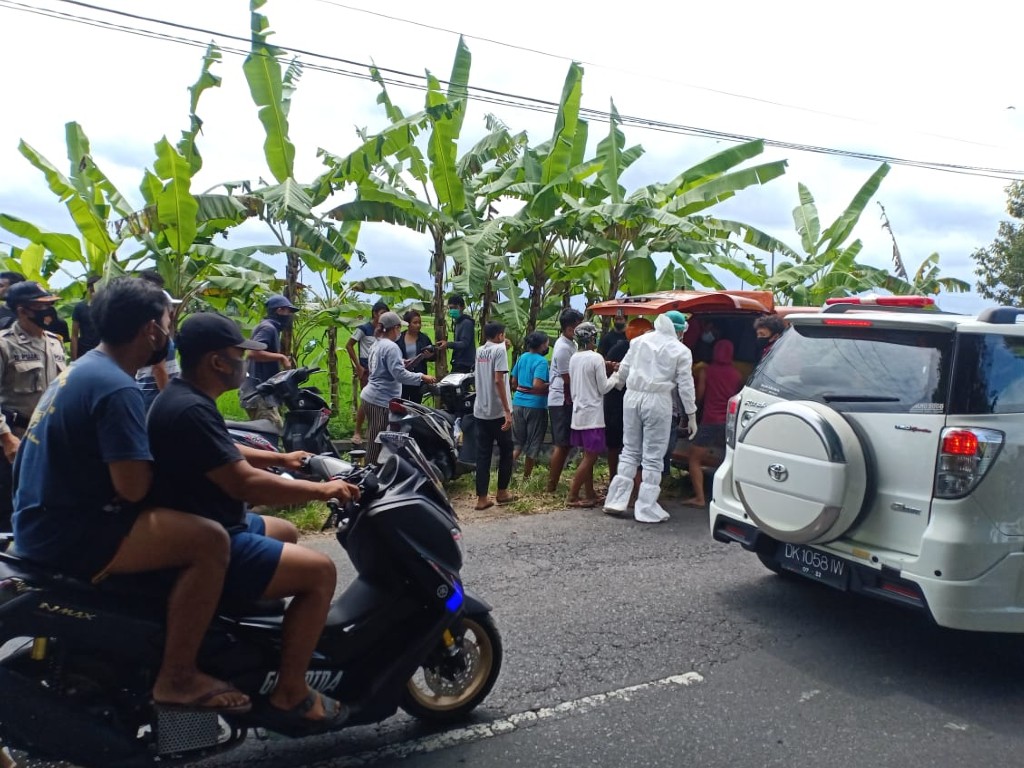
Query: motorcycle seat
266	426
148	585
358	600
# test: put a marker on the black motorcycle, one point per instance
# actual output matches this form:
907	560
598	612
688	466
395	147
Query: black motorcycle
305	417
403	634
447	435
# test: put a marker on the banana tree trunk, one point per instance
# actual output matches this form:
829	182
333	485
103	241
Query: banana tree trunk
440	306
332	367
291	292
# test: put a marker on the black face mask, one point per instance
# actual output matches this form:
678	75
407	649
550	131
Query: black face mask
620	327
284	322
44	318
762	344
160	353
234	379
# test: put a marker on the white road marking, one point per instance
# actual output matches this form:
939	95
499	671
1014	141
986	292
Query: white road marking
808	695
955	726
472	733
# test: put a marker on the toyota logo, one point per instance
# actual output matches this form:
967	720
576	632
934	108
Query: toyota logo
778	473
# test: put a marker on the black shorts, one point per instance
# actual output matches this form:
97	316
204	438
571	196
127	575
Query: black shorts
613	419
561	425
710	436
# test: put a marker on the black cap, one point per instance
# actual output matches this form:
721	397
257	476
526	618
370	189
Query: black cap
207	331
26	293
278	301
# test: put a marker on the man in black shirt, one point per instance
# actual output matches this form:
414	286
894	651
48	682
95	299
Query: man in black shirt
83	329
200	470
610	338
269	360
463	345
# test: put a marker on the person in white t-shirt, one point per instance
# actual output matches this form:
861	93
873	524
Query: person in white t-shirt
589	382
493	413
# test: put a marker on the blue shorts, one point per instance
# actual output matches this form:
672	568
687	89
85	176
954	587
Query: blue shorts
254	559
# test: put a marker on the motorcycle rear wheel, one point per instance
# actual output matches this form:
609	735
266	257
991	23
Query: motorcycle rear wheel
435	695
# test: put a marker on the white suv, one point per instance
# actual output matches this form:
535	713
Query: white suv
881	452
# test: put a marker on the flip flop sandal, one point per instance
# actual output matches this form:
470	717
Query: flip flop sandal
294	720
503	502
357	441
202	703
488	505
583	504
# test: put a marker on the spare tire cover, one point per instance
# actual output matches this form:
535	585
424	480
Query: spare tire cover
799	471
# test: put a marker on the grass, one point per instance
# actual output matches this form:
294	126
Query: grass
308	518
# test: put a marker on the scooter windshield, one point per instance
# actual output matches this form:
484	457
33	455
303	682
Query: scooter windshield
404	445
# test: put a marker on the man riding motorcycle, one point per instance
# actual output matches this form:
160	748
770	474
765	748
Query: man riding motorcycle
199	469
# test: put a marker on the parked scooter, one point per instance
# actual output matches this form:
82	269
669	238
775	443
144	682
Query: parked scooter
403	634
447	435
305	417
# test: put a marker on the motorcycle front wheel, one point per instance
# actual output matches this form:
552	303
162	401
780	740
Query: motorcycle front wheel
453	687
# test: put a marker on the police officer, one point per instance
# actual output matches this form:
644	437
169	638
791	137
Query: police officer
30	358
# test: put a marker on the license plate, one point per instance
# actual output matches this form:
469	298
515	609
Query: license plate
813	564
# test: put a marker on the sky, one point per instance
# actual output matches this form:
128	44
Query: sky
921	82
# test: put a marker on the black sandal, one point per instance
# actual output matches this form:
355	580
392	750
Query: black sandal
290	722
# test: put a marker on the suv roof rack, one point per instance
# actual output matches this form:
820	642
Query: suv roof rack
1001	315
849	307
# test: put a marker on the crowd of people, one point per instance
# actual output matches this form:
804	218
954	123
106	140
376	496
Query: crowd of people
102	491
621	394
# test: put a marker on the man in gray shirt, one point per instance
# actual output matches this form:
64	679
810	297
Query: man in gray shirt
493	413
387	375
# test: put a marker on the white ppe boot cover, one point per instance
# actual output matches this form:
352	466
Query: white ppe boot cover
619	491
647	509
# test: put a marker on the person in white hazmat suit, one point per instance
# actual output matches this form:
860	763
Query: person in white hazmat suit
656	364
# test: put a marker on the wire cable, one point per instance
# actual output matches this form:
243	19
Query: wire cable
400	78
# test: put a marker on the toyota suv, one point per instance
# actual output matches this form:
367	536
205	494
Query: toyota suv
878	450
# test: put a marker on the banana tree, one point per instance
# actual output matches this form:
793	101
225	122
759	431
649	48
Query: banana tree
827	266
91	200
431	192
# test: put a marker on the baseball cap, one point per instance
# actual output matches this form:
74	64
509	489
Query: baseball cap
207	331
390	320
277	301
27	292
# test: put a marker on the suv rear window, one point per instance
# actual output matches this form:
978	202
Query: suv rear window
852	368
989	374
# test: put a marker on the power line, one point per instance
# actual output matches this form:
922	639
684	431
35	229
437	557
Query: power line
404	79
634	73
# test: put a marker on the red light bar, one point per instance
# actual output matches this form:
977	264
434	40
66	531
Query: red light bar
734	405
848	321
885	301
960	443
396	407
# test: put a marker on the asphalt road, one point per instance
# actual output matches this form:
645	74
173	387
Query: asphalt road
656	646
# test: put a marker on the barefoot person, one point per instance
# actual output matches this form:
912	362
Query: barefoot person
493	413
716	383
82	473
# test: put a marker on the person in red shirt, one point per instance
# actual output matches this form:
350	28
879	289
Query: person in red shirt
716	383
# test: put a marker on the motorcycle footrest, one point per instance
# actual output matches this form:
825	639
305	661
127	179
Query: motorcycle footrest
180	731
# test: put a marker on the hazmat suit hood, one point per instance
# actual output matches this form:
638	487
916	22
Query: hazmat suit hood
663	325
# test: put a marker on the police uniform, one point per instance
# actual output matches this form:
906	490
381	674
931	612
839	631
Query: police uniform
27	366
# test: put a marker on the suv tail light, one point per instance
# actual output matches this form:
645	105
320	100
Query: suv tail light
731	418
397	408
965	455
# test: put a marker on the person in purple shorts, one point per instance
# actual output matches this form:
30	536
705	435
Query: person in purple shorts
590	383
